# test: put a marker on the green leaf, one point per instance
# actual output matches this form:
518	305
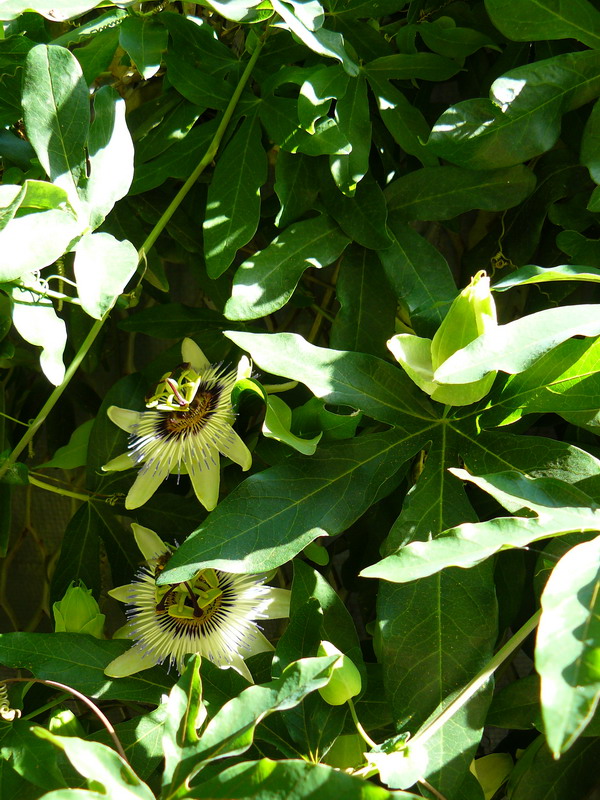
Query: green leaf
420	276
366	318
433	193
145	39
443	36
316	93
233	203
174	321
406	123
538	776
319	40
110	157
265	282
37	322
567	654
183	710
231	730
581	249
78	660
378	388
558	508
73	454
47	8
302	498
32	758
278	420
516	346
517	706
79	558
523	115
426	66
591	140
532	274
354	120
291	780
565	380
361	216
294	186
546	19
13	50
56	113
96	56
40	213
103	267
100	764
313	417
198	86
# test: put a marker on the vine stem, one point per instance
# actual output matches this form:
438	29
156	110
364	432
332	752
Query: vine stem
206	159
478	681
84	699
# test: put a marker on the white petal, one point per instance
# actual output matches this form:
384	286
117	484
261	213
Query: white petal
256	644
206	480
192	355
150	543
124	417
147	482
234	448
128	663
124	461
122	593
238	663
276	604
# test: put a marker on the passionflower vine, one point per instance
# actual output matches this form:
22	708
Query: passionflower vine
186	425
213	614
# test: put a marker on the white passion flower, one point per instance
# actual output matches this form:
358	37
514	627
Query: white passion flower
187	424
214	614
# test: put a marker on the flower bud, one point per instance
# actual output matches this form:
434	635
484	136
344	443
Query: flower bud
63	722
471	314
345	681
78	612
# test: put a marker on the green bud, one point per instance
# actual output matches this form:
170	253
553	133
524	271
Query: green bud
344	682
78	612
471	314
63	722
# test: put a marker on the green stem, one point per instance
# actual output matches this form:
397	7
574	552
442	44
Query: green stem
207	158
152	237
364	735
478	681
57	490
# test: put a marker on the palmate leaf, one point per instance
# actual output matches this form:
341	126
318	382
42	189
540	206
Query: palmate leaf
564	381
233	203
523	115
231	731
265	282
301	499
102	765
78	660
516	346
546	19
558	507
291	780
567	655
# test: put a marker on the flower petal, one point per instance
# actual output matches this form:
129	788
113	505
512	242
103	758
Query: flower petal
234	448
206	480
150	543
147	482
238	664
133	660
192	355
276	604
122	593
124	417
118	464
257	643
